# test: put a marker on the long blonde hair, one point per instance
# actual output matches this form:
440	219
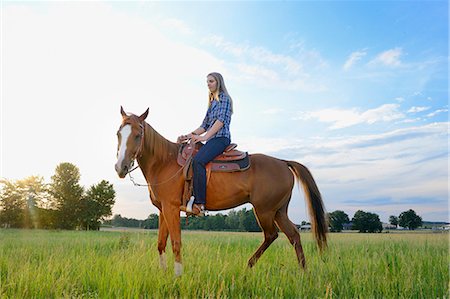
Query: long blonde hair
220	88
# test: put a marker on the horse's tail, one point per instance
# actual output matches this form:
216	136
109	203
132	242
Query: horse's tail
317	214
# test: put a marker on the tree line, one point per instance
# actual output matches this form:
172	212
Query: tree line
245	220
242	220
61	204
370	222
65	204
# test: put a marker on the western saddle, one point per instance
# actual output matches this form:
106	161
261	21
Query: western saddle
230	160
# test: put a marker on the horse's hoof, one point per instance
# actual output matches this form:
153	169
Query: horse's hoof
178	269
163	262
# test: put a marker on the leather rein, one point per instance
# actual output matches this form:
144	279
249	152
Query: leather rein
138	155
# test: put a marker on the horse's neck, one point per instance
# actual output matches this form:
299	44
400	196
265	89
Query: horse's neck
157	151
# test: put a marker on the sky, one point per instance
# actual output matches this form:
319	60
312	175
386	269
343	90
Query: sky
357	91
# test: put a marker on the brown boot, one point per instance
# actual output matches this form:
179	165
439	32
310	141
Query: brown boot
198	210
194	208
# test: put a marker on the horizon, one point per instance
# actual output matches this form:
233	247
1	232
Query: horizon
355	91
296	223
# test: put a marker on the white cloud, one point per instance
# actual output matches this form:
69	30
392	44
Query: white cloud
353	58
257	72
267	77
410	120
415	109
219	42
389	58
403	165
178	25
261	66
342	118
434	113
257	54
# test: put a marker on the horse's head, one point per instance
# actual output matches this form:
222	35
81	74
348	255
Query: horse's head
130	139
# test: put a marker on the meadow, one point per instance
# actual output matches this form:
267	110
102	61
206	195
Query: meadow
75	264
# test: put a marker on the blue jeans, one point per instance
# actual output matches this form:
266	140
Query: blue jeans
208	152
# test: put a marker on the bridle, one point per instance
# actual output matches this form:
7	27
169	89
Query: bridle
138	154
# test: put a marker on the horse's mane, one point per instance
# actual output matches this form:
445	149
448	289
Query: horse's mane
157	146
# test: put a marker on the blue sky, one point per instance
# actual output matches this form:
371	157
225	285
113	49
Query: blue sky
357	91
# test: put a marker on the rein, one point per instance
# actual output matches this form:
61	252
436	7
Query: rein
139	154
151	185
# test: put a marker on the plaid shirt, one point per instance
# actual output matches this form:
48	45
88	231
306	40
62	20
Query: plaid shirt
219	110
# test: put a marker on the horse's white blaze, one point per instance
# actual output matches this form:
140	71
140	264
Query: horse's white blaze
178	269
124	133
163	261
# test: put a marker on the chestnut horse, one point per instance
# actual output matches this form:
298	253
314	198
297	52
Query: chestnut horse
267	185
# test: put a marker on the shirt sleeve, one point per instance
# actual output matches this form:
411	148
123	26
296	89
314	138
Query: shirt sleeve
224	110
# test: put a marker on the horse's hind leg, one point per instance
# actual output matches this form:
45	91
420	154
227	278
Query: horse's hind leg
163	233
266	222
291	231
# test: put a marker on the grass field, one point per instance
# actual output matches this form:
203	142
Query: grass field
65	264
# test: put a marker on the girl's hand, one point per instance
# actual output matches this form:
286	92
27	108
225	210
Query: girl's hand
183	138
197	138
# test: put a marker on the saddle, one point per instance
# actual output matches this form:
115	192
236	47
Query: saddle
230	160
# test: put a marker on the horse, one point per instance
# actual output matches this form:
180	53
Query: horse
267	185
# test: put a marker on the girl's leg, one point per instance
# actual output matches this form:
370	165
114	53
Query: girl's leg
208	152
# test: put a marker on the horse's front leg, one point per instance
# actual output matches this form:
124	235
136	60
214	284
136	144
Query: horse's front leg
163	233
172	218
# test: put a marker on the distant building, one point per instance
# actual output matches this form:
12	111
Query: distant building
388	226
347	226
305	227
441	227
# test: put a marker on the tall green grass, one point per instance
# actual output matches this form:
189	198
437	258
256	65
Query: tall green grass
53	264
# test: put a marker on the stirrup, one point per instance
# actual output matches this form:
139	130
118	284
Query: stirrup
190	204
195	209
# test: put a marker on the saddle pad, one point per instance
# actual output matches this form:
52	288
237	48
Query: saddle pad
230	166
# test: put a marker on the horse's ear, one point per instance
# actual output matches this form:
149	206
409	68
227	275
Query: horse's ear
122	112
144	115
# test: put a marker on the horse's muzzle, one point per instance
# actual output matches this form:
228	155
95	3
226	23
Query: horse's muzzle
122	171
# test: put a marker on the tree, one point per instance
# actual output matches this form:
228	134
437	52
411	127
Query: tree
248	221
67	194
12	205
409	219
20	202
232	220
242	220
337	220
393	220
96	205
215	222
367	222
35	195
152	221
119	221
